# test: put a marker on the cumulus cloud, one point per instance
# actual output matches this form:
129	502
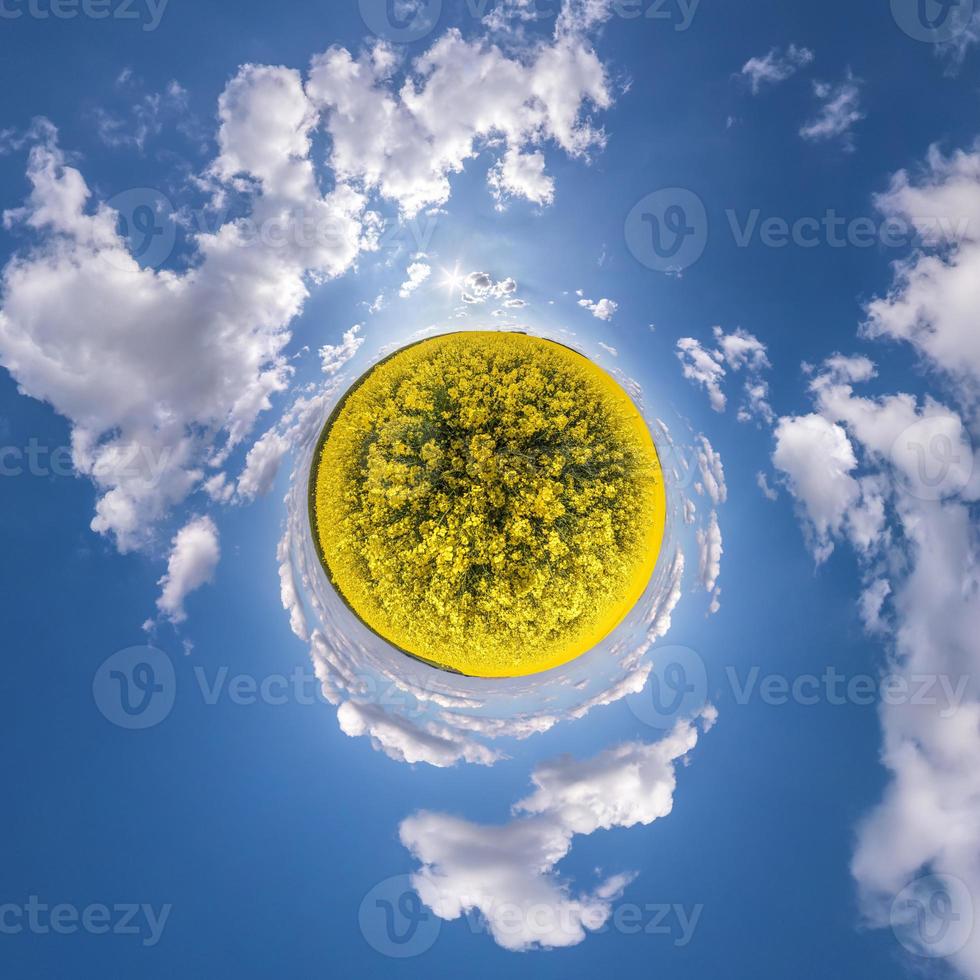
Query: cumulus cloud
193	559
936	292
840	110
709	556
262	465
703	367
603	309
738	351
416	274
741	350
521	175
404	741
405	142
479	287
507	873
301	420
712	471
817	459
333	357
775	67
611	351
179	365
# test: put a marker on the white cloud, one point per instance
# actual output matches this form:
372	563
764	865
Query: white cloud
603	309
872	603
417	273
193	559
508	15
704	367
334	356
741	350
839	112
776	66
507	872
736	351
709	553
262	465
521	175
933	301
611	351
918	546
817	458
896	431
478	287
756	403
849	369
712	471
402	740
406	142
956	48
177	365
763	483
300	421
580	16
145	115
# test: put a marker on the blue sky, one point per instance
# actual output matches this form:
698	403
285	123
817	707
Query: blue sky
247	830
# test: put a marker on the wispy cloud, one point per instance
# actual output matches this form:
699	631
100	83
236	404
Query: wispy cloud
839	112
775	67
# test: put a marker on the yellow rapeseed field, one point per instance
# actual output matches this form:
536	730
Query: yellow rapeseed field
491	503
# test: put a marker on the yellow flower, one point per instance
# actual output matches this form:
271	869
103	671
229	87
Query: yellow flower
491	503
